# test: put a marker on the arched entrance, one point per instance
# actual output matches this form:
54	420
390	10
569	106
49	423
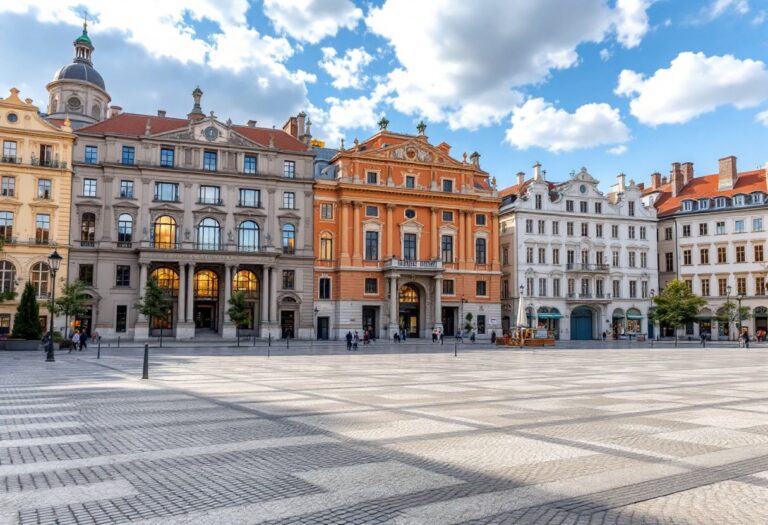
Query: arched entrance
582	323
247	282
634	316
409	309
705	322
206	315
618	322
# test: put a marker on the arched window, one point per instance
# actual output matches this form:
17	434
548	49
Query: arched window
480	251
248	236
409	294
326	246
246	281
96	111
124	229
164	232
6	225
167	279
7	277
208	234
206	284
39	279
88	229
289	238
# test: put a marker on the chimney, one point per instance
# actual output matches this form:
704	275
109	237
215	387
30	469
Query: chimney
687	172
537	171
475	159
664	180
621	182
300	118
114	111
291	127
251	123
726	180
520	178
676	178
161	113
655	180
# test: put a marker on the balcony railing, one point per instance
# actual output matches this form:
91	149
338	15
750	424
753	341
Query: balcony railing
413	264
87	244
212	202
588	297
585	267
48	163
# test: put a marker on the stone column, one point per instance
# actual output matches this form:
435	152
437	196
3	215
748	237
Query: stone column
434	244
273	301
229	328
191	294
390	231
356	225
185	328
344	233
460	239
469	245
438	302
493	242
394	306
265	293
141	330
182	299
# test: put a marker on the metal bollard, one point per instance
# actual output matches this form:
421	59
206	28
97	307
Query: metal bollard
455	347
118	341
287	343
145	374
269	338
98	349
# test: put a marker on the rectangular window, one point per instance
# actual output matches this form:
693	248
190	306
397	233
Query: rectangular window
643	232
538	202
704	255
324	288
126	189
686	230
249	165
632	259
556	287
555	228
480	288
741	254
757	224
480	251
167	157
210	160
738	226
570	257
616	288
448	287
632	289
8	186
598	207
614	231
631	209
448	185
542	286
122	275
722	287
505	289
541	227
722	254
598	230
668	234
643	260
689	284
326	247
585	229
409	246
529	255
289	200
703	229
631	232
89	187
289	278
741	285
480	219
615	258
410	182
687	258
166	191
583	207
249	198
371	211
759	253
528	225
43	189
91	155
599	289
480	324
209	195
505	255
121	318
720	228
555	256
289	169
669	262
446	248
569	229
326	211
759	285
9	151
129	155
371	246
705	287
371	285
542	255
569	206
644	289
42	228
448	216
85	274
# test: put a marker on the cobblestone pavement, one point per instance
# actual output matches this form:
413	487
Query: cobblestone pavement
231	436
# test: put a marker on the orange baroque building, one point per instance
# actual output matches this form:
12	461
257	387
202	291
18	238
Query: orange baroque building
407	239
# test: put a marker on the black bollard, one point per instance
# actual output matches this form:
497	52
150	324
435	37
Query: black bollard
145	374
455	347
98	349
269	339
287	343
118	341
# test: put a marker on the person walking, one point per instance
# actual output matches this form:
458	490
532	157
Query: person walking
442	335
703	339
493	337
434	335
349	341
745	336
472	336
355	341
84	340
75	341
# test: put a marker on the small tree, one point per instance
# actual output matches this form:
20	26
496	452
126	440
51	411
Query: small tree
72	301
731	313
26	325
154	304
239	312
468	322
676	306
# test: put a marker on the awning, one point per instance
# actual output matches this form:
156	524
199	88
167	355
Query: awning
551	316
635	317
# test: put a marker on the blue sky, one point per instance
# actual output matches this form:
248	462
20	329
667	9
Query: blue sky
614	85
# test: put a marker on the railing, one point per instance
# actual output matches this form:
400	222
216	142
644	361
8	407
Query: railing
214	202
87	244
585	267
10	159
414	264
588	296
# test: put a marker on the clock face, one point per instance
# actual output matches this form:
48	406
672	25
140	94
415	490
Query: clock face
211	133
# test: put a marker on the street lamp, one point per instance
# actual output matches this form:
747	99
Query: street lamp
738	311
54	260
728	290
652	323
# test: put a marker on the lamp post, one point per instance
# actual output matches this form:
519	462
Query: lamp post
738	312
727	308
54	260
650	319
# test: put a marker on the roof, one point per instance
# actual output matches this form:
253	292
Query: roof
706	187
519	189
80	71
134	125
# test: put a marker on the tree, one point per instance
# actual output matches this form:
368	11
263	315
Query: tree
731	313
72	301
26	324
468	322
239	312
676	306
154	304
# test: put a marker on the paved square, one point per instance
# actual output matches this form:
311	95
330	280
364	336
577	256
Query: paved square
405	436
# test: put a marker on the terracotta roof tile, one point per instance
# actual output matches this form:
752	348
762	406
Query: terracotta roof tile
706	187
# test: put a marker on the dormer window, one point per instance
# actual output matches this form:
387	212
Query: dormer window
720	202
757	198
738	200
688	206
704	204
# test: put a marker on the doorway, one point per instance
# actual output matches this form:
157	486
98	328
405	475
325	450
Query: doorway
449	320
205	317
409	310
581	324
323	328
287	324
370	313
83	322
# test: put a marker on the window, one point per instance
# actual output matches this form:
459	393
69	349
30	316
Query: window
480	251
541	227
599	289
371	211
371	285
615	258
43	189
759	256
722	287
208	234
757	198
570	257
166	191
126	189
529	255
741	285
720	228
446	248
410	213
410	181
124	230
42	228
448	287
542	286
209	195
39	278
480	324
88	229
585	257
686	230
129	155
616	288
249	164
720	202
556	287
555	228
569	206
409	246
632	289
528	225
289	200
705	287
741	255
668	262
89	187
538	202
738	226
289	279
643	260
9	151
598	230
289	238
326	211
687	258
542	256
248	236
555	255
598	207
643	232
121	318
631	209
6	225
583	207
480	288
326	246
759	285
632	259
85	274
757	224
91	155
448	216
371	177
585	287
164	232
703	229
448	185
210	159
722	254
371	246
569	229
122	275
289	169
703	204
585	229
668	233
480	219
689	284
505	255
738	200
704	255
324	288
249	198
614	231
166	157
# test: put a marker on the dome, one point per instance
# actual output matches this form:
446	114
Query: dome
80	71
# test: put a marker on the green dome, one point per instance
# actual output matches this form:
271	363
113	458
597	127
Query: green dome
84	39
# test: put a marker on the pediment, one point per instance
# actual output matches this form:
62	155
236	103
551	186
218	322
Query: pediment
289	215
209	131
88	203
209	210
126	205
167	207
414	150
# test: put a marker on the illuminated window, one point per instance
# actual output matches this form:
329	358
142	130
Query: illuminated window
408	294
164	232
167	279
289	238
206	284
326	247
246	281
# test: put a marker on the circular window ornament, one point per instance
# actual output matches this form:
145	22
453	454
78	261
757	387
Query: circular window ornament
583	188
13	117
73	103
211	133
410	214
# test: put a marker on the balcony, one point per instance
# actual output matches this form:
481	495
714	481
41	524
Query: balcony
211	202
409	264
588	297
48	163
587	268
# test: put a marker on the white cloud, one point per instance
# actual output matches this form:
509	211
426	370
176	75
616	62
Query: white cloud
347	70
618	150
346	114
720	7
605	54
537	123
762	118
759	18
470	79
632	21
312	20
693	84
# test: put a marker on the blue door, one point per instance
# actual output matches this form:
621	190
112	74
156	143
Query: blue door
581	324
